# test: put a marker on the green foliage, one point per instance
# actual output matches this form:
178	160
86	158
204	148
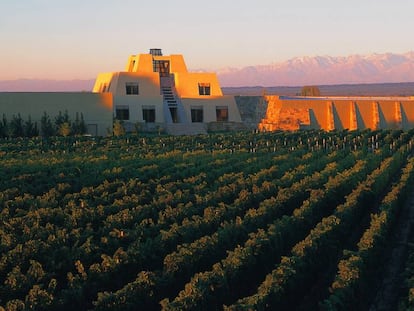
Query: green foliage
310	91
30	128
46	126
4	127
235	221
38	299
118	129
78	126
16	126
60	119
65	129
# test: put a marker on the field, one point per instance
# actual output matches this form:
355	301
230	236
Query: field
240	221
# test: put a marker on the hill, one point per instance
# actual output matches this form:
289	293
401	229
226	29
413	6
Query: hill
374	89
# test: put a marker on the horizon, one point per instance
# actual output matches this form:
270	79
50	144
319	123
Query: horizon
78	39
319	70
222	69
345	89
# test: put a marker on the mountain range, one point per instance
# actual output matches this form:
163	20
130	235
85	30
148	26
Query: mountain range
299	71
324	70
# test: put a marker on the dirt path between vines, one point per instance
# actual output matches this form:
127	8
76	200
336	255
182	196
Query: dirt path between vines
388	293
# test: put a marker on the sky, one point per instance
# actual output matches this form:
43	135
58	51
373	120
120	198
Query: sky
77	39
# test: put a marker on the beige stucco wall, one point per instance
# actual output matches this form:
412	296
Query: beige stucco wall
141	63
393	113
408	113
365	113
341	113
177	63
363	109
103	82
148	83
149	93
209	107
387	114
136	103
187	84
317	110
95	107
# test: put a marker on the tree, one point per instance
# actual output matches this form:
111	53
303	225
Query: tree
38	299
30	128
65	129
46	126
15	305
35	272
62	118
310	91
119	129
79	126
16	126
4	130
16	280
82	125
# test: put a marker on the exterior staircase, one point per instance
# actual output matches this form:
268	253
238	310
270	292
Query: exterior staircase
173	108
176	120
169	102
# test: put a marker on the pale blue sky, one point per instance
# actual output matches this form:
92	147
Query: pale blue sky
77	39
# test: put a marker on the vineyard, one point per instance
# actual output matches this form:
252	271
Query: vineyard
238	221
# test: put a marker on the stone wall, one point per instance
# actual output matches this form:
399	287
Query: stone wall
252	110
285	119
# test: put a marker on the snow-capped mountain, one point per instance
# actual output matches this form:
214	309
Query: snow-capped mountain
323	70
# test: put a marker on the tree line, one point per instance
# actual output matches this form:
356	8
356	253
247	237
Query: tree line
60	125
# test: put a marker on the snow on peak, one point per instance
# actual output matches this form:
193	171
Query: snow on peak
370	68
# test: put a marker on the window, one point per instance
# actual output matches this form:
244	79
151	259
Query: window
196	114
131	88
204	88
148	114
161	66
122	112
222	113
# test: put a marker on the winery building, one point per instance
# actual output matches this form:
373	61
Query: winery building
154	93
157	91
